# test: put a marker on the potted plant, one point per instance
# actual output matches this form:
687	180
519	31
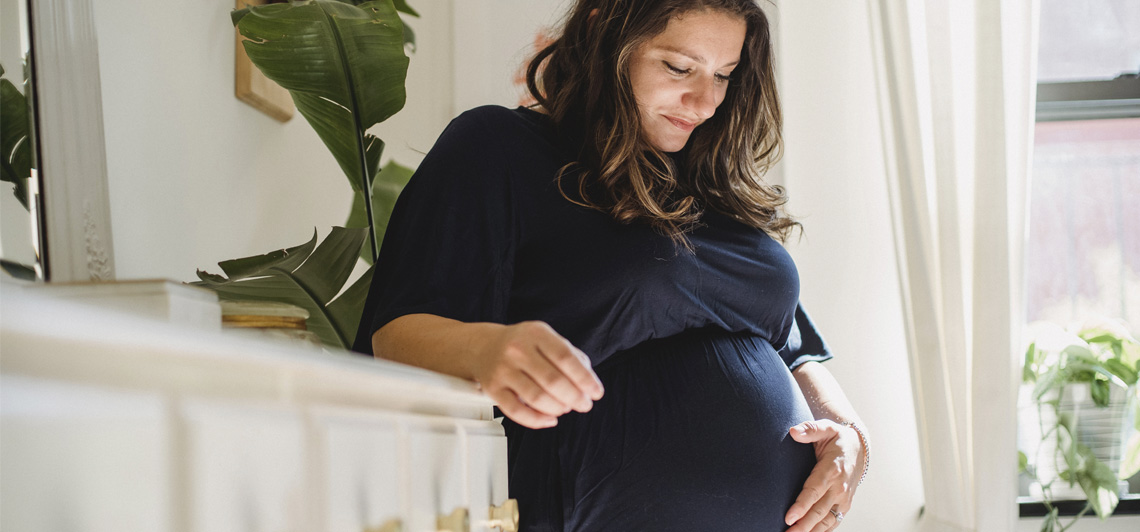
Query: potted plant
1084	413
344	64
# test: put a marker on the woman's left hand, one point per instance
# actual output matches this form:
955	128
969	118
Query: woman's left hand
831	486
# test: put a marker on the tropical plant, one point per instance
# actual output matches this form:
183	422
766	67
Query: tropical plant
344	65
309	276
1098	357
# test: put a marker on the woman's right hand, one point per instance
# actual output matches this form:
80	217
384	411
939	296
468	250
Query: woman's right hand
534	374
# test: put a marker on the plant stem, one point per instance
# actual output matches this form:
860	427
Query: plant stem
1085	510
365	179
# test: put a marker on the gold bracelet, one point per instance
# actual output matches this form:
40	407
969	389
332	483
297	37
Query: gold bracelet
866	449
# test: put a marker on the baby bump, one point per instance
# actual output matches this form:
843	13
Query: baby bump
691	435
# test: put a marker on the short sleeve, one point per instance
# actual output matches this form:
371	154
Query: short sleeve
805	343
449	247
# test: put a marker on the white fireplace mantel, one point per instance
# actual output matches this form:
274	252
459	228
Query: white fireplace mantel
117	422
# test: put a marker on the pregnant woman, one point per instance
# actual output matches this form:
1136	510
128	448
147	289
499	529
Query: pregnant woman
608	266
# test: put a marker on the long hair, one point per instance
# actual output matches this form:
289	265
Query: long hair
582	80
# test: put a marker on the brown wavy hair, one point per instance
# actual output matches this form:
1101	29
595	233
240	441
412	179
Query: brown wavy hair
582	80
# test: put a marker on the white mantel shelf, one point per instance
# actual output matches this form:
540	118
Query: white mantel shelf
110	421
89	344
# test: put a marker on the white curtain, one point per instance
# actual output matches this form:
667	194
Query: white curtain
956	95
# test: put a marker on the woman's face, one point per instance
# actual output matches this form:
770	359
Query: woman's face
680	76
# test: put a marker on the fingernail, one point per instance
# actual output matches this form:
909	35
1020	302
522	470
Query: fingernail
792	518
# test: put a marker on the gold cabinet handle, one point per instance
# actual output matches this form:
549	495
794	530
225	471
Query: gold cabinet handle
391	525
458	521
505	517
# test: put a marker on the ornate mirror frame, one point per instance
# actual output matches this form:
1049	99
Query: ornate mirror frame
76	216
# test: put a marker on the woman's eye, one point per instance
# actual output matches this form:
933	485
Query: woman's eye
675	70
723	79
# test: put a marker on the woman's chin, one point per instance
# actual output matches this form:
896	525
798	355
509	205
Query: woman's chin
670	145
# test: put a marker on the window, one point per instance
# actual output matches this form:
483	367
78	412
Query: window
1083	253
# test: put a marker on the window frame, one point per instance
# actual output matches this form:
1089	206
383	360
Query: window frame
1089	100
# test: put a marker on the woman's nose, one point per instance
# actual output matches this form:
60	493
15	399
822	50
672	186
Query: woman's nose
701	98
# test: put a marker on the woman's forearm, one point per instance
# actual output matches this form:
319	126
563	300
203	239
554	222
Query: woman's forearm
824	396
432	342
827	401
531	372
839	448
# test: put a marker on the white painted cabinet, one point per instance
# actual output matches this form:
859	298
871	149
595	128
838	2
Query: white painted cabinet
362	454
82	458
117	423
245	467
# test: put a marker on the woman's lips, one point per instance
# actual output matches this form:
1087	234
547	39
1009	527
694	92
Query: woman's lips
681	124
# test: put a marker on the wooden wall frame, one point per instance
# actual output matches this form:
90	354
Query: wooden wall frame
251	86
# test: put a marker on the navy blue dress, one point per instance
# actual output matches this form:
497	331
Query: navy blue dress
694	349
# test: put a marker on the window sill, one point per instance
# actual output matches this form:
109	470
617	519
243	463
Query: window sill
1129	505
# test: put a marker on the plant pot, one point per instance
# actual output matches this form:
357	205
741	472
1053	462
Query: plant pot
1104	430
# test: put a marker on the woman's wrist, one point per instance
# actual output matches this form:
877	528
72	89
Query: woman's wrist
866	447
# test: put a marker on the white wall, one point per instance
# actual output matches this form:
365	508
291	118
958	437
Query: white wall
833	170
196	176
493	40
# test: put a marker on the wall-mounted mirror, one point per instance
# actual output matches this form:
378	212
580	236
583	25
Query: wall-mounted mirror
19	232
55	216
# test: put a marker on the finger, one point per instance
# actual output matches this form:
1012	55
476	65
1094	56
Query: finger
835	520
571	361
540	369
829	522
535	396
814	489
519	412
844	503
811	431
819	514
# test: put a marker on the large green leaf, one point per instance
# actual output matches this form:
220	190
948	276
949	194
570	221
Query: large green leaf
288	259
343	64
386	189
308	276
1028	368
1068	447
1100	392
15	144
400	5
17	270
1130	463
348	307
1120	369
1098	482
